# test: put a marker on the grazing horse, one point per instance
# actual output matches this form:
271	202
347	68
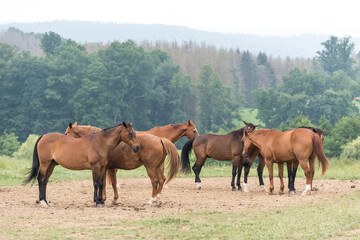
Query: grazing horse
294	145
220	147
172	132
152	156
91	152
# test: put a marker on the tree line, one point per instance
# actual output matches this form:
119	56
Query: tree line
150	85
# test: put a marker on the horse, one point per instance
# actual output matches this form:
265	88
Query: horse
291	166
220	147
152	156
172	132
91	152
294	145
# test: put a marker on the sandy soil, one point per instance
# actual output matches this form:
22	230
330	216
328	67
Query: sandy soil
73	200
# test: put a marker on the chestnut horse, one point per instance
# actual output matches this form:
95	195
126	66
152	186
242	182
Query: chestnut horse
152	156
172	132
219	147
291	166
294	145
90	152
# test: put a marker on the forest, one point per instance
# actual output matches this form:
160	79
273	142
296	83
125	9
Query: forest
158	83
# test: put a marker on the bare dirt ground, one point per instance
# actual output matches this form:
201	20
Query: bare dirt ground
73	200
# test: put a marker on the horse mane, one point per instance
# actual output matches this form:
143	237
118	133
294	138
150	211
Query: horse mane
106	129
315	130
237	133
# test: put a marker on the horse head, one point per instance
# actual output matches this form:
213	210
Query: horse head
129	137
191	130
249	127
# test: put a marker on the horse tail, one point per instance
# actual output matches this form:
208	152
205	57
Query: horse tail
318	146
185	161
173	162
34	170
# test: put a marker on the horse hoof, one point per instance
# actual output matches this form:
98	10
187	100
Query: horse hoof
233	189
306	193
114	203
246	189
158	203
263	188
166	186
100	205
44	204
240	189
281	192
292	192
198	186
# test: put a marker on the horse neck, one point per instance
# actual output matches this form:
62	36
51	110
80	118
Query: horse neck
172	132
112	136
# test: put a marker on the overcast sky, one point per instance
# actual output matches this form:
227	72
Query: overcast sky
262	17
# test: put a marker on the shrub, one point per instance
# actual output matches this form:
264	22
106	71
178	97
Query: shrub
351	150
27	148
8	144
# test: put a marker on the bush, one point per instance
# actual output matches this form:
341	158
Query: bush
27	148
351	150
8	144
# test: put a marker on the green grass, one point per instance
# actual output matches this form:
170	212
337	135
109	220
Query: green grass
13	171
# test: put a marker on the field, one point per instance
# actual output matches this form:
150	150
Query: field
215	212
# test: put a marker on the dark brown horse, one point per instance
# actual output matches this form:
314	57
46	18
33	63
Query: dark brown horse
294	145
172	132
220	147
91	152
152	156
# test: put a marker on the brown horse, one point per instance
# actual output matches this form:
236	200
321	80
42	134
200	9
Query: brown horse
291	166
294	145
152	156
220	147
90	152
172	132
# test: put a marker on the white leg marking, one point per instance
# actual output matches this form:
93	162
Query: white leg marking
246	189
150	201
43	204
307	189
198	185
117	185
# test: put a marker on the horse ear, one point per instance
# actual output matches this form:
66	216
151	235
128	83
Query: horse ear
75	124
124	124
257	125
323	130
245	122
190	122
70	125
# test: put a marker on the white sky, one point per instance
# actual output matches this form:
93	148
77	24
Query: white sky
262	17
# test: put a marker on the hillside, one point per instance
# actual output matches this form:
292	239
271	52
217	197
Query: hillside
295	46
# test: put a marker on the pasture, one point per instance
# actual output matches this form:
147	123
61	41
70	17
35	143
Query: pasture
215	212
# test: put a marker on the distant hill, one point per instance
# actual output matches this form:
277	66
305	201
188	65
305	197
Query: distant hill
81	31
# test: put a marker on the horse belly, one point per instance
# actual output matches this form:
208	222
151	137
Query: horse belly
72	160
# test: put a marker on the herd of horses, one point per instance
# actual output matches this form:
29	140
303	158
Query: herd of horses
103	151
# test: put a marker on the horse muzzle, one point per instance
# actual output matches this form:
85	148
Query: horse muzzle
136	148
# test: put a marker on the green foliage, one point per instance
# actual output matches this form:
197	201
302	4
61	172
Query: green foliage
8	144
49	42
346	130
351	150
337	55
27	148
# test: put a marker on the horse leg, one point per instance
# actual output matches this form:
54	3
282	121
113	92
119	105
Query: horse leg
260	170
238	184
289	166
200	160
312	168
234	168
111	173
246	173
43	178
151	171
98	173
295	165
162	168
162	178
281	176
269	165
307	172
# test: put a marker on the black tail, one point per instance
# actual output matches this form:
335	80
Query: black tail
185	161
34	170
